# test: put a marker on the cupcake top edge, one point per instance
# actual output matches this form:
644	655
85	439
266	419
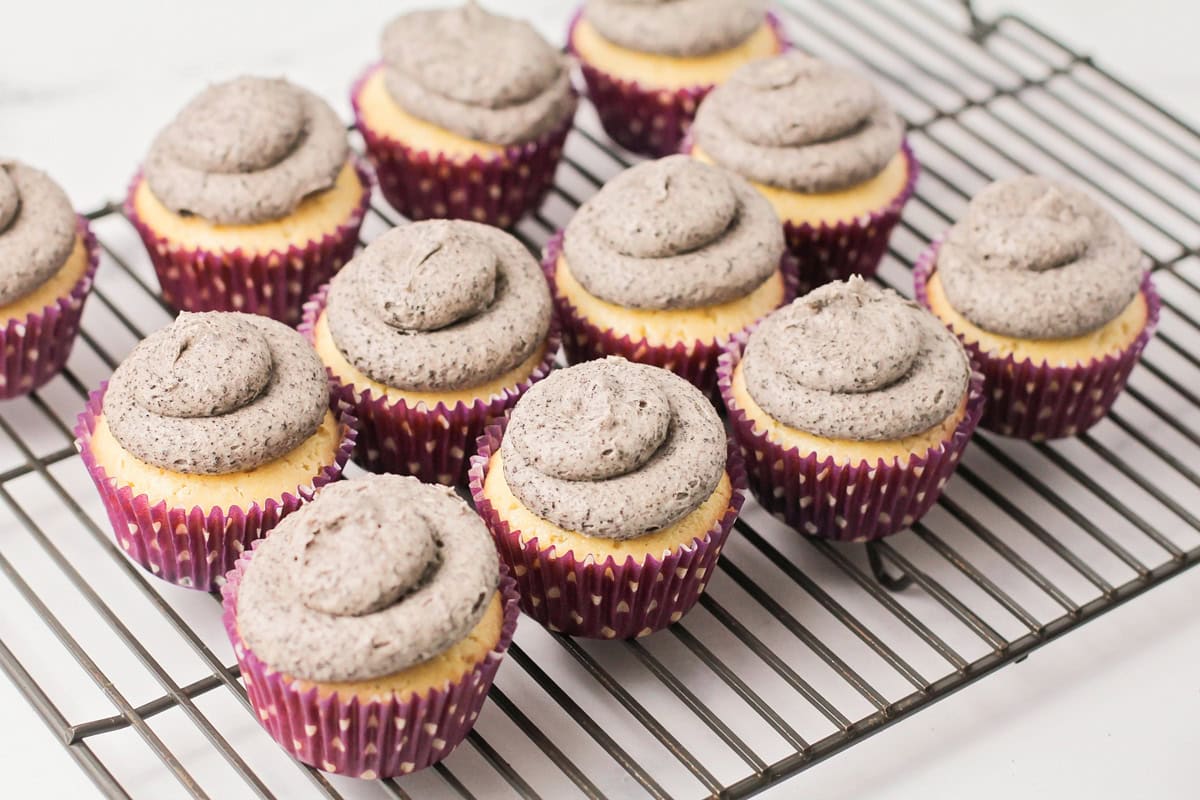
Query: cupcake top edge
613	449
853	361
677	28
38	229
797	123
217	392
674	233
481	75
439	305
1038	259
372	577
246	151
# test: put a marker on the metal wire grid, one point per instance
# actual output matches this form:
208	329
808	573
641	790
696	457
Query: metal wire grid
800	648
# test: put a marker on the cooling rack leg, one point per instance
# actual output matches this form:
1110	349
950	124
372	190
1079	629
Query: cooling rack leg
893	583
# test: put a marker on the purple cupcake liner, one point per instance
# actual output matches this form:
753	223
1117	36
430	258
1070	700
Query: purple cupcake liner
425	185
365	737
644	120
846	502
604	599
695	362
191	548
35	348
274	284
1037	401
432	444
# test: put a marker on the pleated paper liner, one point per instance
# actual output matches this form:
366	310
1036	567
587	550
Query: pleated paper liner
825	253
274	284
604	599
645	120
845	502
421	184
1037	401
695	362
33	349
193	548
365	737
433	444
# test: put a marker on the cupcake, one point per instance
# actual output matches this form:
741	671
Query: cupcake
370	624
852	407
649	63
466	115
1050	295
211	431
47	259
249	200
429	334
609	494
822	144
664	264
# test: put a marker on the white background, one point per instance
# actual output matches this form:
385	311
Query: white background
1109	711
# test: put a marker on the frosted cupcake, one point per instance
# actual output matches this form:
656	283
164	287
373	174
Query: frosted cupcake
609	495
466	115
664	264
48	257
369	625
852	407
249	200
429	334
649	63
211	431
1050	295
823	145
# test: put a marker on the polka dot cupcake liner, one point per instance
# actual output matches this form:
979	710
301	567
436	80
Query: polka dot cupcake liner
35	348
435	444
421	184
604	599
365	737
193	548
695	362
645	120
1037	401
274	284
853	503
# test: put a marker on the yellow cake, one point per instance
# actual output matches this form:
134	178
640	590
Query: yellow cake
57	287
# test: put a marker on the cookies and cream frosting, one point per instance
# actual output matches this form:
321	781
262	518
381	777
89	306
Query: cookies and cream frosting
439	305
851	360
674	233
217	392
797	123
481	75
1036	259
38	229
247	151
680	28
613	449
372	577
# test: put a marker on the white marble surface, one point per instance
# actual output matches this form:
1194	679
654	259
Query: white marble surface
1109	711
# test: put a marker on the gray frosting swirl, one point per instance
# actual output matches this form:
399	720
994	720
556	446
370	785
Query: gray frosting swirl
800	124
439	305
37	229
481	75
372	577
1036	259
853	361
613	449
676	27
674	233
217	392
247	151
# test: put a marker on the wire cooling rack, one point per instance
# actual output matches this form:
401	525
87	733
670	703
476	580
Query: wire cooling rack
800	648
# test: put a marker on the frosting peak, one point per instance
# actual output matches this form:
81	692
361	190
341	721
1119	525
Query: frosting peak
246	151
679	28
1036	259
37	229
